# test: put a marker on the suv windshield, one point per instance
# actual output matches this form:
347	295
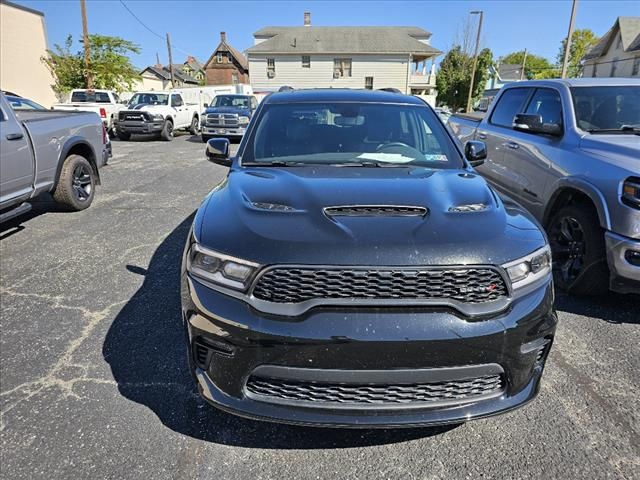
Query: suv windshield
231	101
607	109
89	97
360	134
149	99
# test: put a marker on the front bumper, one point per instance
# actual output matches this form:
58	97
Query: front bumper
625	276
223	131
363	341
141	127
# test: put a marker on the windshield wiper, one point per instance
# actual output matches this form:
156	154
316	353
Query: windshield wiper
371	164
622	129
275	163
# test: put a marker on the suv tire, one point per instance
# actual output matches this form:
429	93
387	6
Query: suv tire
77	183
579	256
167	131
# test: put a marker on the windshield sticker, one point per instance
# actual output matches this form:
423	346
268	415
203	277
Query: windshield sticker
386	157
435	158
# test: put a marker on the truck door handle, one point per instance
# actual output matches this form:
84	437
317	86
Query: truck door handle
482	135
14	136
512	145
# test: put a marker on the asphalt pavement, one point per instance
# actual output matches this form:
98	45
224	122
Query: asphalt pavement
94	380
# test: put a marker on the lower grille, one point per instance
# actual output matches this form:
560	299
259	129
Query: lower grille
295	285
277	390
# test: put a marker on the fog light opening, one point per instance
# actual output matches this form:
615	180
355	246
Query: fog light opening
543	351
633	257
204	349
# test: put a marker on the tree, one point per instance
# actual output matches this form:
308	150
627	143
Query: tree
109	64
535	67
454	77
581	42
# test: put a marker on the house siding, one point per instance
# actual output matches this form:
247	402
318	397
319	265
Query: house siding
624	64
386	70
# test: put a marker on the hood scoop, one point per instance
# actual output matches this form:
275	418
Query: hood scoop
376	211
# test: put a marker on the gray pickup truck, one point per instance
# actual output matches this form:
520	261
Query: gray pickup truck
48	151
569	151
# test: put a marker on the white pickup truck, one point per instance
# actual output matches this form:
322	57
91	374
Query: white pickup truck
105	103
159	113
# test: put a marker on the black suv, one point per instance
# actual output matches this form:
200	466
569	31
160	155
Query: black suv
354	270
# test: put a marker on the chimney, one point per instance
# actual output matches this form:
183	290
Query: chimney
223	36
307	19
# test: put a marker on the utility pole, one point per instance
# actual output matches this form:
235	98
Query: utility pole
173	84
524	63
85	40
567	45
157	59
475	59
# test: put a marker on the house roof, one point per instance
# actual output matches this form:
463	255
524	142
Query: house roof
194	63
165	74
223	46
629	28
297	40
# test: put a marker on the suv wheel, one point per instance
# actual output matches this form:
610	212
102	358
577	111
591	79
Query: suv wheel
579	258
76	185
167	131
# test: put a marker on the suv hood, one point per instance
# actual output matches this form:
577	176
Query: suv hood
235	219
622	150
237	110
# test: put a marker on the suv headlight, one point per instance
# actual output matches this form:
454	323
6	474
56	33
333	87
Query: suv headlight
221	269
243	120
529	269
631	192
157	116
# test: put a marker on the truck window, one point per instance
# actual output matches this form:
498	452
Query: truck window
510	103
546	103
90	97
176	101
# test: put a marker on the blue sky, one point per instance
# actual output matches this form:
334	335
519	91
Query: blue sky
194	26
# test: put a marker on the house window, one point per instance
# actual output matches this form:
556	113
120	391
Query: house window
219	59
595	70
636	67
614	67
306	61
234	78
341	67
368	83
271	67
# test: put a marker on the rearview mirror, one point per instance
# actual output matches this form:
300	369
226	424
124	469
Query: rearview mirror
475	152
217	151
532	123
206	105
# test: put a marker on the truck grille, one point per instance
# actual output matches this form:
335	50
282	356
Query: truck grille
373	394
133	117
222	120
295	285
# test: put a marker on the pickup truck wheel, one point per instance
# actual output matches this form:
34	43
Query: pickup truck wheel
579	257
76	185
124	136
193	129
206	138
167	131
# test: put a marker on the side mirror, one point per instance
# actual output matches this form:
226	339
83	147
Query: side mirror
205	105
217	151
475	152
532	123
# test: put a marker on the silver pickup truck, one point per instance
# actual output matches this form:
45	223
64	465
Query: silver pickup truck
569	151
48	151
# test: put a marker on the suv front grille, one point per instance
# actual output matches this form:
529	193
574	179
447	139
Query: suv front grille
376	210
270	389
295	285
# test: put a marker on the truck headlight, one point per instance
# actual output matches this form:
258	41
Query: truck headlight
529	269
631	192
221	269
157	117
243	120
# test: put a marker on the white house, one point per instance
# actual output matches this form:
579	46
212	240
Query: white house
617	54
343	57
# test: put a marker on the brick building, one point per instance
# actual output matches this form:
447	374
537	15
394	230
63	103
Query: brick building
226	65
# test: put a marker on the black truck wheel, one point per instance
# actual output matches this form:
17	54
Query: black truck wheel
579	257
76	185
193	129
167	131
124	136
